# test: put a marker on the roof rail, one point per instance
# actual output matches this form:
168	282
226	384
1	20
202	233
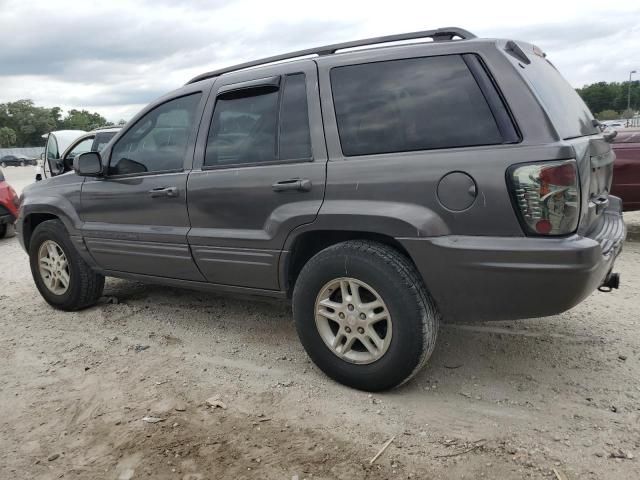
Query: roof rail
438	35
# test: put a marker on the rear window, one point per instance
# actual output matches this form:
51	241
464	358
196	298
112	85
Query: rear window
412	104
569	114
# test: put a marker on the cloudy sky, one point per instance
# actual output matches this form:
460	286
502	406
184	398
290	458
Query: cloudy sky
116	56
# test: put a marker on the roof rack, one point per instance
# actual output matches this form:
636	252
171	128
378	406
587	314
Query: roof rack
438	35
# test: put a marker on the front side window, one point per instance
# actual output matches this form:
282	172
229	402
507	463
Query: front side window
80	147
260	125
408	105
158	141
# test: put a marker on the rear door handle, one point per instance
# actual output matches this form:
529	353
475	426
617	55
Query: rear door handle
163	192
300	184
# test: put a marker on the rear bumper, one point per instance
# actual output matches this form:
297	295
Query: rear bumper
500	278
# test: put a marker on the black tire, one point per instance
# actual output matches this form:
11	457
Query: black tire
414	313
3	230
85	285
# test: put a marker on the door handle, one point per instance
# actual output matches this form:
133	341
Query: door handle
163	192
300	184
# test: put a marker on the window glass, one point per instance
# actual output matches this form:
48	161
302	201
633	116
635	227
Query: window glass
158	141
52	148
245	130
101	140
413	104
295	140
567	110
81	147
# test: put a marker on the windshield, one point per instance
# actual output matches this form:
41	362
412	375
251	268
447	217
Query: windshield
569	114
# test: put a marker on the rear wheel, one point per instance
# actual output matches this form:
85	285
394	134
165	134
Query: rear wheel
3	230
63	278
364	316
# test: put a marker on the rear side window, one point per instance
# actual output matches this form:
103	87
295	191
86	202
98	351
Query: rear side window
158	141
408	105
260	125
569	114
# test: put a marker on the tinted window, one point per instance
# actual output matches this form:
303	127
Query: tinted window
158	141
568	112
414	104
245	130
295	141
101	140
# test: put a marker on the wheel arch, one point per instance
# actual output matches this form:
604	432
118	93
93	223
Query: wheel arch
309	242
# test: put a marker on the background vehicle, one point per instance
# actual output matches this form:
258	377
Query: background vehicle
57	143
626	170
15	161
9	204
92	141
381	189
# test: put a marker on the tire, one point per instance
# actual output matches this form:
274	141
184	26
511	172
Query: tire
383	272
84	286
22	163
3	230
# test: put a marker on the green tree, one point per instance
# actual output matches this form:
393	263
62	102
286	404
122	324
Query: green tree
603	96
628	113
83	120
608	115
7	137
27	121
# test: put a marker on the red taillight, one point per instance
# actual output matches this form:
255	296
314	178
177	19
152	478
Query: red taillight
14	197
560	175
547	195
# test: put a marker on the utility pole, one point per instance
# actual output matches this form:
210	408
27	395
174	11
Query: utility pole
629	94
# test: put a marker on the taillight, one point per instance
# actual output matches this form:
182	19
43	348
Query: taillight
14	197
547	196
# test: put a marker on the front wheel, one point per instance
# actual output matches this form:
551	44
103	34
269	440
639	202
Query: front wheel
63	278
364	316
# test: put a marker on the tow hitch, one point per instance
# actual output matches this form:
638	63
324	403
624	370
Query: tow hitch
612	281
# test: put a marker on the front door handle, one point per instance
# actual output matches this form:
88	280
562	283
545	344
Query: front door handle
163	192
300	184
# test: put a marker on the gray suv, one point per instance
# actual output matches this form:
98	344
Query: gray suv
381	189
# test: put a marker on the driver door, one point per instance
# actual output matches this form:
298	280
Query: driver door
135	216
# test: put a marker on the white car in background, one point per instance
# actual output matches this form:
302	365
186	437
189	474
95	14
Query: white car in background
63	145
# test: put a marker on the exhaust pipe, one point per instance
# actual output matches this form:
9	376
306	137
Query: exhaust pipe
612	281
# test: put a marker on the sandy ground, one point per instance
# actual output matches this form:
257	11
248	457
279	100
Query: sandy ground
497	400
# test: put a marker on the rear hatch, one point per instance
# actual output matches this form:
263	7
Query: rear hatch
576	126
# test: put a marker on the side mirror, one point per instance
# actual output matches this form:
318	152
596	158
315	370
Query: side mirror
88	164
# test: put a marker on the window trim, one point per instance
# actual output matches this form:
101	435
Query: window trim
461	55
259	83
121	134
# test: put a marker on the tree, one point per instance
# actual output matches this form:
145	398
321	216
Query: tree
628	113
83	120
602	96
608	115
7	137
27	121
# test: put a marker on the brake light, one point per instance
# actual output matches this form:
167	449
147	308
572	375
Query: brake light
547	196
14	197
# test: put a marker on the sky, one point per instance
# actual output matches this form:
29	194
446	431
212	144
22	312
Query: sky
115	56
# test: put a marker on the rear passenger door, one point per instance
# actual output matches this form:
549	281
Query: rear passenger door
259	172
